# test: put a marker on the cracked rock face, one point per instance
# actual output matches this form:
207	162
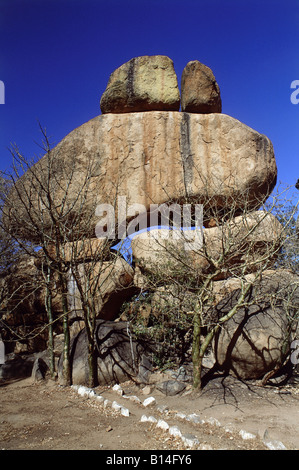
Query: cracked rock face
159	156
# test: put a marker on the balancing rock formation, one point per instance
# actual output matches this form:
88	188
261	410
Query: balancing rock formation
144	148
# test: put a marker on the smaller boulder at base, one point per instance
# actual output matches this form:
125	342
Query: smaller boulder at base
256	340
119	354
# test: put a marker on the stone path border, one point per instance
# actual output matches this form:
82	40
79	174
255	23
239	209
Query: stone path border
189	440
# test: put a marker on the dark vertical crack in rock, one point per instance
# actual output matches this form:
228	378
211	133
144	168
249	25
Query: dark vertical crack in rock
186	154
130	81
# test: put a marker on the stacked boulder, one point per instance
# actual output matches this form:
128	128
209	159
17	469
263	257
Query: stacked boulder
142	84
146	150
250	236
200	91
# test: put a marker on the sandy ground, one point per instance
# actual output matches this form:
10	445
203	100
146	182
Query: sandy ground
46	416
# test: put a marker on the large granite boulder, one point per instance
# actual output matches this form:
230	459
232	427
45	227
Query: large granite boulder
245	243
147	158
146	83
16	367
256	340
120	355
200	92
169	251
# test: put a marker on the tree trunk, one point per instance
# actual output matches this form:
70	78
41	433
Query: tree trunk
89	314
196	350
50	333
48	305
66	366
92	366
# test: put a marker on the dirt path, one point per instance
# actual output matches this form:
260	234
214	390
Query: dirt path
45	416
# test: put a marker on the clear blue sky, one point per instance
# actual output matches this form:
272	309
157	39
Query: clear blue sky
56	57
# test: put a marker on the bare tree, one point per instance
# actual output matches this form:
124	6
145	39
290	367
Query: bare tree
284	202
52	204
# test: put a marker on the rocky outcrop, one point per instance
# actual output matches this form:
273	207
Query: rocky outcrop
252	343
18	367
142	152
223	288
247	241
82	250
147	83
200	92
151	157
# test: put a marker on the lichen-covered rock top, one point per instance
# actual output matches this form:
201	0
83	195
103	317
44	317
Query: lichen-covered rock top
146	83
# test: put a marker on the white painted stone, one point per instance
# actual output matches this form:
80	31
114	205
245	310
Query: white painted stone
124	411
194	418
212	421
246	435
152	419
175	431
189	440
134	399
117	388
83	391
149	401
116	406
275	445
162	425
